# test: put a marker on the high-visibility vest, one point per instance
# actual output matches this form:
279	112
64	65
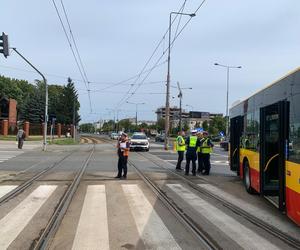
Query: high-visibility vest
193	141
181	146
199	148
205	149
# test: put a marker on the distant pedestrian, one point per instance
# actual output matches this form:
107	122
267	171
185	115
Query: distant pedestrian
199	154
20	138
192	143
180	148
206	150
123	152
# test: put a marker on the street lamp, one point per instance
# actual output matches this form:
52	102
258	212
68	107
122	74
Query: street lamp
180	104
190	107
167	121
228	67
136	109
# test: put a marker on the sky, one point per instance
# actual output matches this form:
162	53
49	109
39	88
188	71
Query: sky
116	38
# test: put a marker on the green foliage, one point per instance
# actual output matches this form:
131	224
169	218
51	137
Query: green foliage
108	126
216	125
31	100
160	124
87	128
205	125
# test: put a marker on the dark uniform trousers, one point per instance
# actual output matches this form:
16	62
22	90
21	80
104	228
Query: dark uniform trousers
200	162
180	159
122	165
206	163
190	157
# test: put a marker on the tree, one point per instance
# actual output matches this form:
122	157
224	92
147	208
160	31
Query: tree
87	128
160	124
69	99
108	126
205	125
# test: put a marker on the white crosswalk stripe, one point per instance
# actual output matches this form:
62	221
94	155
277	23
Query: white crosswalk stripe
6	189
15	221
151	228
7	155
93	219
243	236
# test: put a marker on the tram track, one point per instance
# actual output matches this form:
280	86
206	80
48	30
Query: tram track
30	181
291	241
51	228
197	231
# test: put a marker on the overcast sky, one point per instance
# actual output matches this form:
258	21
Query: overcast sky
116	38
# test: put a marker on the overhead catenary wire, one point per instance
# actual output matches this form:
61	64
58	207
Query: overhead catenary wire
153	53
73	52
171	44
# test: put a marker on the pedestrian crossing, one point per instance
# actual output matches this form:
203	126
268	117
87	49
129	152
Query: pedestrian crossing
8	150
7	155
92	229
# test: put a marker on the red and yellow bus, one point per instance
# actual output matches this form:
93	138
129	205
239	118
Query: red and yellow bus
265	143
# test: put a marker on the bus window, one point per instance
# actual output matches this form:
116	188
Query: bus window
294	144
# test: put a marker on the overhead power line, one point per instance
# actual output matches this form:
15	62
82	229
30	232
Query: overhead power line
77	60
152	55
174	39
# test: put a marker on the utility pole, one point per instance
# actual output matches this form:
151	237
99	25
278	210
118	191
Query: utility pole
228	67
74	122
167	110
46	98
180	106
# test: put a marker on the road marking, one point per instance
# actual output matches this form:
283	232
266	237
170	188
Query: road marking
6	189
16	220
93	219
220	155
242	235
262	214
151	228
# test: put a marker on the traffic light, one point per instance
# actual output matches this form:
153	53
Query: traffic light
4	48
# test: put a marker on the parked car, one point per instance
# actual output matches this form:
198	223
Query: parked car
114	136
225	144
160	138
139	141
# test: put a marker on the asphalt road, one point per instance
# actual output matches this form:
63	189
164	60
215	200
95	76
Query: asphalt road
108	213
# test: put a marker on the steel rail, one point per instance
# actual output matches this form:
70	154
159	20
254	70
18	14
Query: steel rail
208	242
47	235
291	241
28	183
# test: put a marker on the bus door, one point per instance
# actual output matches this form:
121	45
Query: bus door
273	138
236	125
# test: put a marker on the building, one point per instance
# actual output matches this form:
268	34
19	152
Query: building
193	119
174	113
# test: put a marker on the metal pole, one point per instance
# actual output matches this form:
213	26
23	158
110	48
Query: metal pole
46	98
180	112
227	94
167	120
136	111
74	121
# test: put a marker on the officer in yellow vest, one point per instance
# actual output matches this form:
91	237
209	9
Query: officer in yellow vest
199	154
180	148
206	149
192	143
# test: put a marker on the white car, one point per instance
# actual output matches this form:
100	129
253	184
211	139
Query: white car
139	141
114	136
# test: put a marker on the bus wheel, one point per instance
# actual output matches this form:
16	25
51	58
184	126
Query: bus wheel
247	179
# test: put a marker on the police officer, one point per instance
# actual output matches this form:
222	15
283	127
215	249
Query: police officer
180	148
123	152
192	143
199	154
206	150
